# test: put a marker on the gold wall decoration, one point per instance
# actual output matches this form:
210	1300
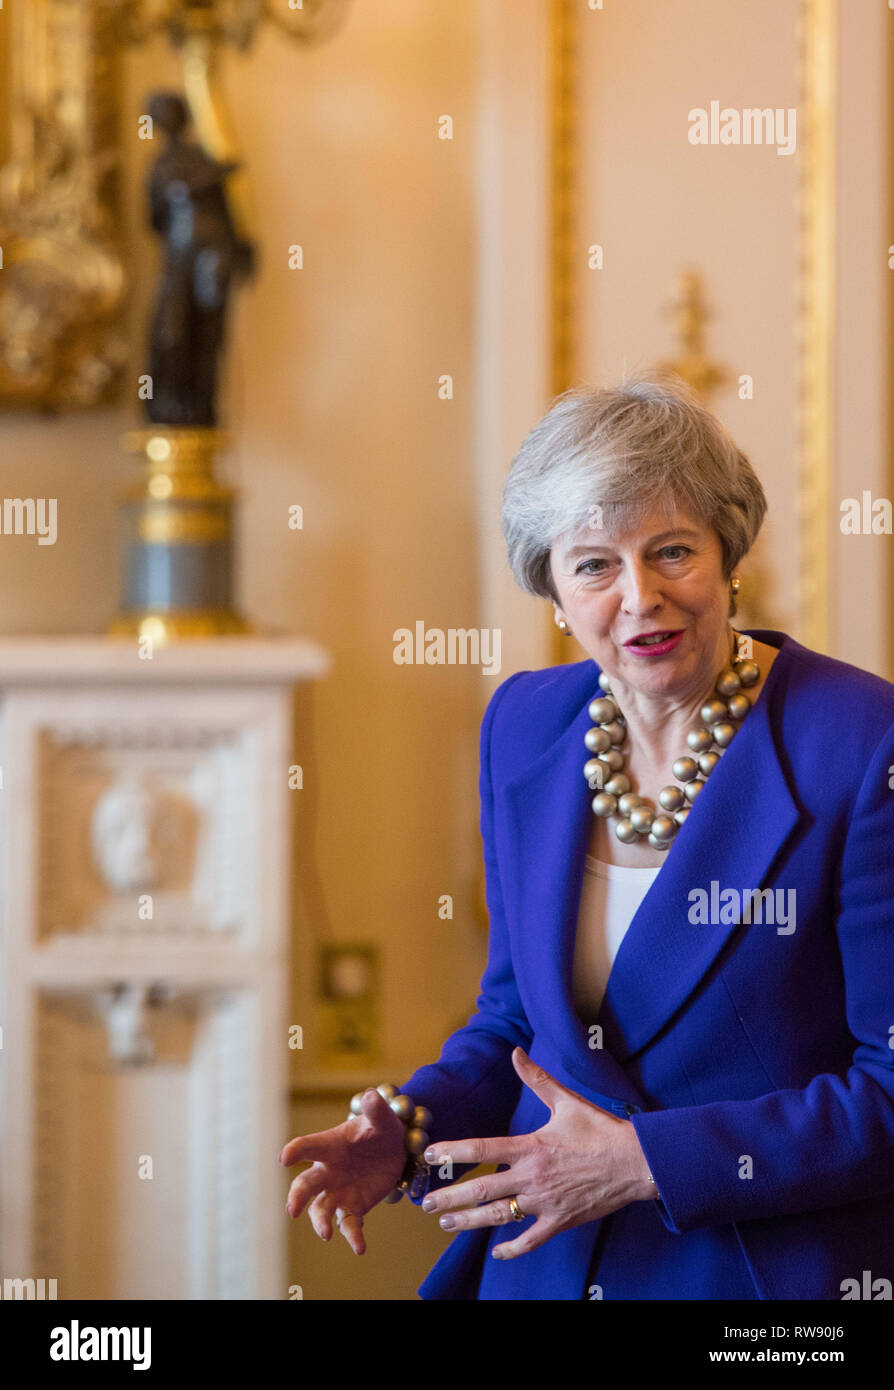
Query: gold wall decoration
230	21
563	221
819	20
691	362
62	284
563	151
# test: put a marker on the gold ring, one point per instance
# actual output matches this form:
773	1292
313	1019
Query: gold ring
517	1213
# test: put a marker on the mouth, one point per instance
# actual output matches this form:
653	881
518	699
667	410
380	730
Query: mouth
657	641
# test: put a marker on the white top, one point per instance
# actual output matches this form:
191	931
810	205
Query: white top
609	898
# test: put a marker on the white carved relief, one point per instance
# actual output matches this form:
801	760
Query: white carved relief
124	835
124	1012
143	832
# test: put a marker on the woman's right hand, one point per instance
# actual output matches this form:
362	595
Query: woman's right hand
354	1166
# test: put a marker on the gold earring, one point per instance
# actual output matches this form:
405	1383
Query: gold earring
735	584
563	626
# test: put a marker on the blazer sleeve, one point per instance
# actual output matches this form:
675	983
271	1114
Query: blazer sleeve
832	1142
473	1088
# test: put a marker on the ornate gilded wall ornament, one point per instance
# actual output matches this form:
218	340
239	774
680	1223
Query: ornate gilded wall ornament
63	283
690	312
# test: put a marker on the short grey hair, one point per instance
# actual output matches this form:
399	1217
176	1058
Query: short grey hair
618	453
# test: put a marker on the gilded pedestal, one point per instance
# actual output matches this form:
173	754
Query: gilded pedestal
177	541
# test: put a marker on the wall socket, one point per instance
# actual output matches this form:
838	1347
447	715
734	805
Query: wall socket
348	993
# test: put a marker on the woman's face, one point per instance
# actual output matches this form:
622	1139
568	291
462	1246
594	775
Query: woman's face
664	577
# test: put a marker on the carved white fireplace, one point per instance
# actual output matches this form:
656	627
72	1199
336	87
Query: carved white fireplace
145	882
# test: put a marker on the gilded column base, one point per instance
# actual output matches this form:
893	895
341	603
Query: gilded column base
171	625
177	540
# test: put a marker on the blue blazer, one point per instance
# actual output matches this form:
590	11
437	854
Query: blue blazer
756	1062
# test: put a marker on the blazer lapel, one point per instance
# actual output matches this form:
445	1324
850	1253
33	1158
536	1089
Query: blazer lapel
734	831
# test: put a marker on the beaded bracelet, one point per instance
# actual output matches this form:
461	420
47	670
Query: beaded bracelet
416	1120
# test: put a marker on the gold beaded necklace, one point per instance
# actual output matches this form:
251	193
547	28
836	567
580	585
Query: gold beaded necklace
721	717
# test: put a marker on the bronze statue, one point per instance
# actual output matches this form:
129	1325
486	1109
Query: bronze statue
203	253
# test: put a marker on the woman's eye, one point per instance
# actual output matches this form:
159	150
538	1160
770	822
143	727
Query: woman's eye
674	553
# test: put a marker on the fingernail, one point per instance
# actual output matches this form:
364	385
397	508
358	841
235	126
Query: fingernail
429	1204
429	1156
447	1223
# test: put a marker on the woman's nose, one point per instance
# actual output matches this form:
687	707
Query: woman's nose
640	591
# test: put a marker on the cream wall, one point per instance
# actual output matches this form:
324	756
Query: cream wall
861	588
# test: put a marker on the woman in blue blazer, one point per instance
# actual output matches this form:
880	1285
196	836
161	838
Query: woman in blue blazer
721	1125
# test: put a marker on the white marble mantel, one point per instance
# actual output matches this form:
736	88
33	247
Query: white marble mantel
145	889
253	660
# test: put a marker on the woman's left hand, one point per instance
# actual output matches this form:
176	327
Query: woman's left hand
583	1164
